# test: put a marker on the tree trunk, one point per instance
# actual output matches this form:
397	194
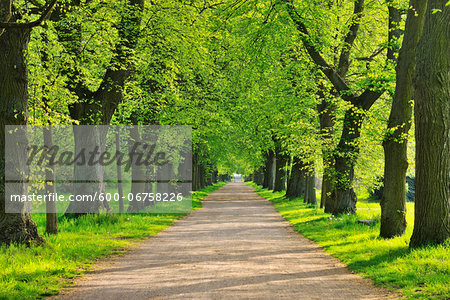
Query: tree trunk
296	182
432	116
209	175
280	172
14	227
272	171
343	197
393	201
119	173
137	172
195	172
88	179
214	175
268	169
202	175
51	225
310	186
259	176
327	111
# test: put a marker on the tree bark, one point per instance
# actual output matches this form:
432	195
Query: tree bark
51	225
119	174
272	171
269	171
258	176
137	172
268	168
195	172
280	172
327	111
343	198
296	182
393	200
310	186
14	227
432	116
88	179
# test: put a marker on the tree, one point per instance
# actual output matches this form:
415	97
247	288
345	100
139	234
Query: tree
296	181
432	117
343	197
280	169
393	202
98	106
14	38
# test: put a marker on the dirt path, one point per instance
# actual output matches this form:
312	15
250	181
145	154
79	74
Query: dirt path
236	247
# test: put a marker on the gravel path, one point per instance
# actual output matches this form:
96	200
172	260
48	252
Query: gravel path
236	247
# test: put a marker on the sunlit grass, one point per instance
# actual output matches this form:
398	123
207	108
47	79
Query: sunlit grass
421	273
38	271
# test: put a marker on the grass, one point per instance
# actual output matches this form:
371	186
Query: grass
422	273
38	271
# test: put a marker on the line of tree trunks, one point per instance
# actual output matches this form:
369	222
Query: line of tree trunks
432	116
393	200
204	174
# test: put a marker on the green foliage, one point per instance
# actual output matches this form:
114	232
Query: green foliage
236	72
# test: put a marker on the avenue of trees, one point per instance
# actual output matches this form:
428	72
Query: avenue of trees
355	93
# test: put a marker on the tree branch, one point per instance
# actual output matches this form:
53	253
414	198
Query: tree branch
337	81
367	99
344	59
44	16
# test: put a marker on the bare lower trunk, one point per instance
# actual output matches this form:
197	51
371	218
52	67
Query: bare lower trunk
343	197
202	175
432	116
268	171
214	176
88	179
310	186
280	172
393	201
327	111
119	174
137	172
327	188
17	227
195	172
258	177
296	181
50	188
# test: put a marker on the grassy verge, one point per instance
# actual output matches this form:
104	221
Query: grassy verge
38	271
421	273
